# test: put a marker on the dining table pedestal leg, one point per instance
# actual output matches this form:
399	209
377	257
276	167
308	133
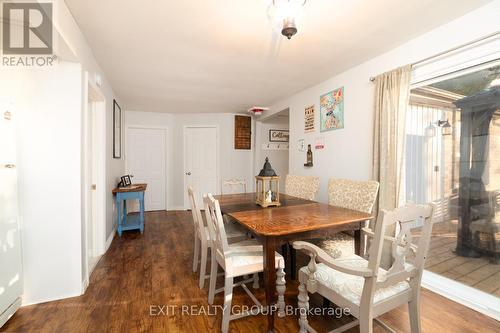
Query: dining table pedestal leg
270	279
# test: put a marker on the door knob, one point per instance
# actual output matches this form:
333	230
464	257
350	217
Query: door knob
188	173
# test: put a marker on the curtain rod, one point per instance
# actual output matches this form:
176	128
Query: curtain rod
372	79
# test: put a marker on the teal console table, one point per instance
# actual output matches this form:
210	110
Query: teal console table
133	221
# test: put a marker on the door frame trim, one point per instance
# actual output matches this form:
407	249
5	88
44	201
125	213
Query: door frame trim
94	95
470	297
217	159
128	127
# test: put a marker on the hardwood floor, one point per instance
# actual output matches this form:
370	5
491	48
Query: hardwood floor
141	272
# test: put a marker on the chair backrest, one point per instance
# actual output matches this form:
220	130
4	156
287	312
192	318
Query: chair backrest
215	225
407	218
353	194
231	184
198	224
304	187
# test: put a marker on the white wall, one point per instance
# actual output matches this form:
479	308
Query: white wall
233	163
348	152
277	158
70	32
50	103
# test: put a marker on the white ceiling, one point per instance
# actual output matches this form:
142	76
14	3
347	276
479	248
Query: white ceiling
219	55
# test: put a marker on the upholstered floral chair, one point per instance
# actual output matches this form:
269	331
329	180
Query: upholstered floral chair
351	194
304	187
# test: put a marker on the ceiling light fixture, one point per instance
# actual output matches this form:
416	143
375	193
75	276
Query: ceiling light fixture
287	12
257	110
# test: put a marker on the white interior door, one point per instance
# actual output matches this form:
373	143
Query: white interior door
95	179
146	161
92	227
200	160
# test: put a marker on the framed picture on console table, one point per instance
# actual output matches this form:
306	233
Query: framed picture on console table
117	130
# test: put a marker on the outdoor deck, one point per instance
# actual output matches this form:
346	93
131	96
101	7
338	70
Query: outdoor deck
475	272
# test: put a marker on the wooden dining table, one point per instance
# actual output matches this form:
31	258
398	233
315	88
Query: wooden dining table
296	219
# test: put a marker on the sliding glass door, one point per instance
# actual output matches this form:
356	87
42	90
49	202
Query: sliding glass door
453	161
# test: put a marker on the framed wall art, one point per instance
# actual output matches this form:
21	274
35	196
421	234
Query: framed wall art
117	130
331	109
242	132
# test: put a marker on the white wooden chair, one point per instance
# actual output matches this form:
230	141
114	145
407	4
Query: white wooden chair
202	239
237	260
239	184
352	194
305	187
361	285
234	186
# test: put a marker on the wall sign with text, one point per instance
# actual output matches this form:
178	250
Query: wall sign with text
279	135
309	119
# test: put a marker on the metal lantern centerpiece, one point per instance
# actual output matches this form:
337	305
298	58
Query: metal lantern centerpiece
267	186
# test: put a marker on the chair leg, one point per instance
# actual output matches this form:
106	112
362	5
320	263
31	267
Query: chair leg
326	302
281	288
414	312
213	277
255	281
203	266
293	262
365	324
196	253
303	303
228	297
284	251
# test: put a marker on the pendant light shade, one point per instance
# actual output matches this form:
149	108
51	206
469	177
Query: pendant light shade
289	28
286	13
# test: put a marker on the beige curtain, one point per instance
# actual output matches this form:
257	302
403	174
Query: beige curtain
392	91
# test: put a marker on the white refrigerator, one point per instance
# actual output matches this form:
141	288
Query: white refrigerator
11	279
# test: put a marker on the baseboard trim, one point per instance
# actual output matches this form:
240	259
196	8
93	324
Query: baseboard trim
110	240
85	285
177	208
49	299
4	316
475	299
